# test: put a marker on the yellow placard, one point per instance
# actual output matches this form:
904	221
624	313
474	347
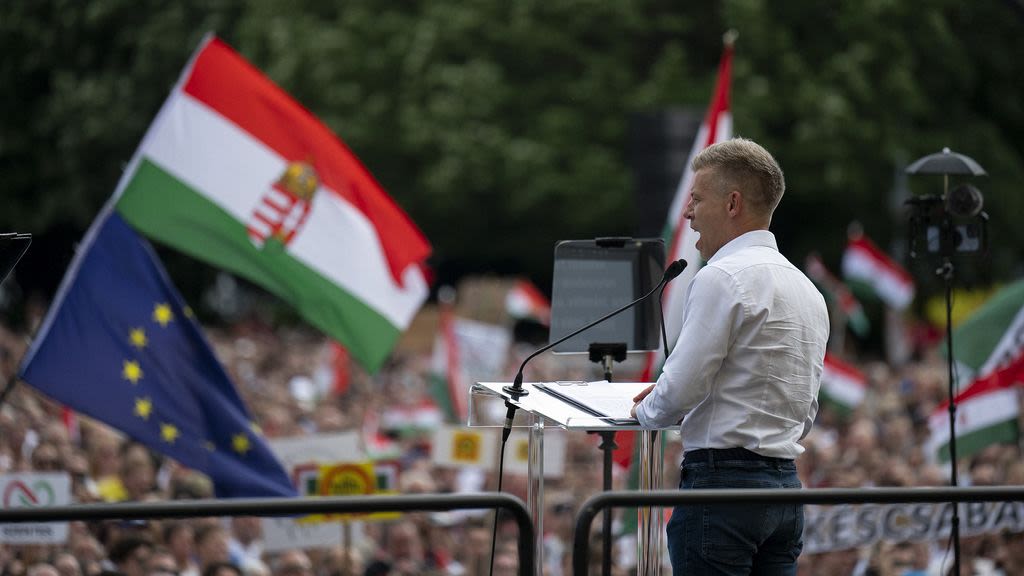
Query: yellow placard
523	450
466	447
348	479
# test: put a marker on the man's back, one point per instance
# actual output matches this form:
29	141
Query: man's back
765	391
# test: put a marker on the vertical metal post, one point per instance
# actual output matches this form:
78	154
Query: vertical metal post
651	534
535	486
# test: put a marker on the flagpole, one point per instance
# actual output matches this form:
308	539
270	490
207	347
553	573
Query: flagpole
8	388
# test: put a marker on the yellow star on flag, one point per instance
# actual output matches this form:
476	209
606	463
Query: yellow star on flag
209	446
255	428
131	371
138	338
240	442
143	407
162	314
169	432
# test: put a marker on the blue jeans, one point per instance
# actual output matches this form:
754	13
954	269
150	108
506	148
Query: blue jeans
728	539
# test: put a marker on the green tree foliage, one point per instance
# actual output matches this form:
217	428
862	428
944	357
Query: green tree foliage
849	94
502	127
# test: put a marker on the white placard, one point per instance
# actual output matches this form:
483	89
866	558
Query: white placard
286	534
339	447
461	447
34	490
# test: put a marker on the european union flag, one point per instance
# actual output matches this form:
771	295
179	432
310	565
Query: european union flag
119	345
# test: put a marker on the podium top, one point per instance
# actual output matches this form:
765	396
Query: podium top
577	405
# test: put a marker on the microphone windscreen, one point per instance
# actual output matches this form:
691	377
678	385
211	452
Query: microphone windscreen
675	269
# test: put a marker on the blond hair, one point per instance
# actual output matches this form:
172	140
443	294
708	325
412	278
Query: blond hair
742	164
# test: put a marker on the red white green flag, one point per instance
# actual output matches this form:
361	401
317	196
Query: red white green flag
866	264
838	295
465	351
524	300
986	413
235	172
842	384
448	385
988	349
681	241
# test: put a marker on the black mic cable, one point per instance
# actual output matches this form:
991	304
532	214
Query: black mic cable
515	391
661	317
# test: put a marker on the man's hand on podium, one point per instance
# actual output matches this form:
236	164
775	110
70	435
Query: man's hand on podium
638	398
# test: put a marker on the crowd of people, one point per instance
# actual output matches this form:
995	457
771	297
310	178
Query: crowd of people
286	378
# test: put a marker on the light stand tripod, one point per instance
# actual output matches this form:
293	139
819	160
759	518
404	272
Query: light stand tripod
934	217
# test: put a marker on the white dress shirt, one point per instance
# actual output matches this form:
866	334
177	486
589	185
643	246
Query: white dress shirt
746	368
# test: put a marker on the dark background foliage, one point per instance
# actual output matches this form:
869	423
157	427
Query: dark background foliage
502	127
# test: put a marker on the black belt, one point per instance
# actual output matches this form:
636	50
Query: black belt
724	454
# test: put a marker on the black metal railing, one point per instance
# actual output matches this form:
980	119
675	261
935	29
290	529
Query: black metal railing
664	498
292	507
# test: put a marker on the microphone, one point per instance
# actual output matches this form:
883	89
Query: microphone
516	389
674	269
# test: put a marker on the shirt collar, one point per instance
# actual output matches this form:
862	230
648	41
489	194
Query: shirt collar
747	240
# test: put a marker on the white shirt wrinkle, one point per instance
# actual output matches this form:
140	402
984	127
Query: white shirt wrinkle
746	368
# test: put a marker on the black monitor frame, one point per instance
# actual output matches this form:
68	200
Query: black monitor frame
595	277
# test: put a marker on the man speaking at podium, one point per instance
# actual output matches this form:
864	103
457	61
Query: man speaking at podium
743	378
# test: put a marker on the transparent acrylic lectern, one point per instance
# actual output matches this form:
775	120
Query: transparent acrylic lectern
538	409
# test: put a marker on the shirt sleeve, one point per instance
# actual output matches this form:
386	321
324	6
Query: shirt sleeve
711	318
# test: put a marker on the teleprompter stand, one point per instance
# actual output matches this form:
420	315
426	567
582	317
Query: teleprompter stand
607	354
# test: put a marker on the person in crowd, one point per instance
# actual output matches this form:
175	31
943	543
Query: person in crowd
138	471
42	569
222	569
211	544
745	374
293	562
161	563
245	544
130	555
402	551
179	538
66	564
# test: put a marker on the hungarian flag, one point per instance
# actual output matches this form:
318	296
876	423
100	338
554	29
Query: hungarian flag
842	384
524	300
465	351
986	414
235	172
838	295
866	264
447	380
988	349
682	242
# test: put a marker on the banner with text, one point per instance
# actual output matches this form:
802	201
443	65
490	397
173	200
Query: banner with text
35	491
843	527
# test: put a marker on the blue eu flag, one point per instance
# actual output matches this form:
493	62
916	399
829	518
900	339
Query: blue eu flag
120	345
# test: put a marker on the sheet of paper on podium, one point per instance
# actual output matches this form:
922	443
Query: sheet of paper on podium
612	400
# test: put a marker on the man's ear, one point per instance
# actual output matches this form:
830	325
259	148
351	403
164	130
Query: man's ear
735	202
